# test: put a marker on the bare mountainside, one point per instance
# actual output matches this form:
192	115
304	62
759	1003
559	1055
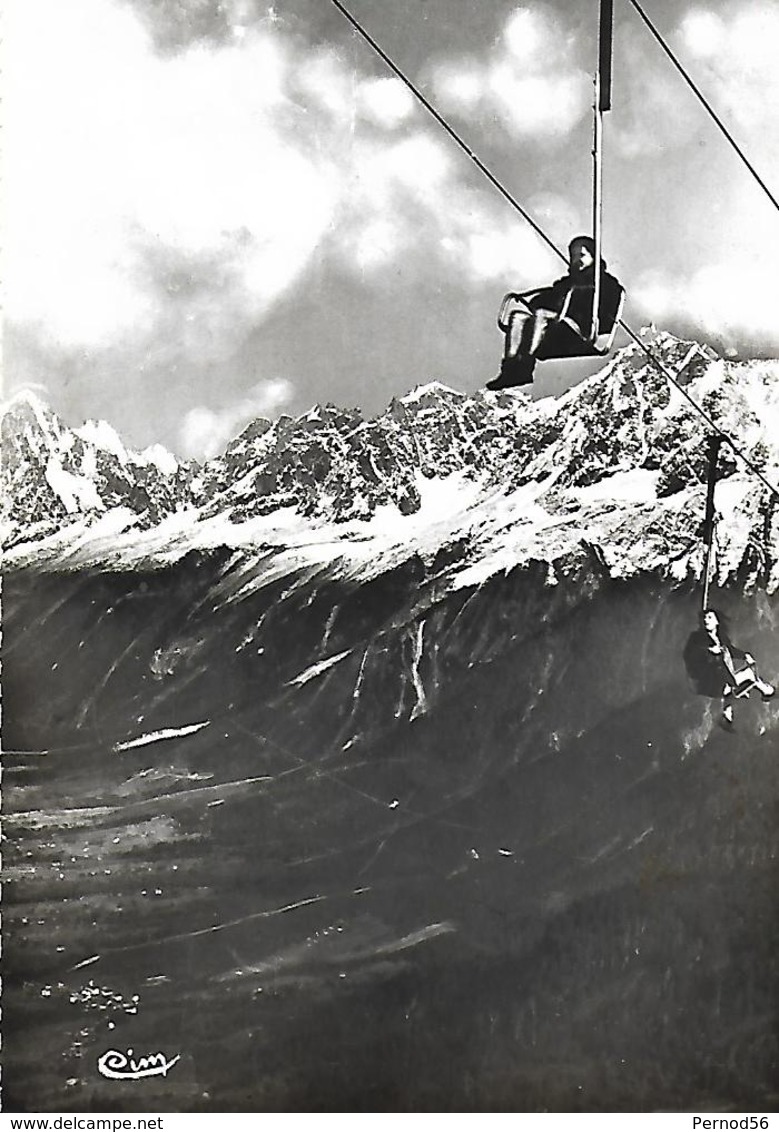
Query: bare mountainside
358	769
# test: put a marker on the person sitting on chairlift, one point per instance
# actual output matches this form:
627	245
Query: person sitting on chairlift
719	669
557	321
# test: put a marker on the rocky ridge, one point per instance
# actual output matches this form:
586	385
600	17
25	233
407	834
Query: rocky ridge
616	467
54	476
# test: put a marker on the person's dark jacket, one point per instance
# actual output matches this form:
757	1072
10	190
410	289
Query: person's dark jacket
580	285
706	669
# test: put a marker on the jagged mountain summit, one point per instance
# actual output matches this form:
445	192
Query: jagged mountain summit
616	466
55	477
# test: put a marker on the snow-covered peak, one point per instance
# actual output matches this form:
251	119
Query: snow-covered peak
26	412
160	457
53	475
23	398
430	390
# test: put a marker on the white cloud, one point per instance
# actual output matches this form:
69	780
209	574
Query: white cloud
752	39
703	32
65	253
526	33
460	84
377	243
528	82
507	253
111	147
387	102
407	204
729	287
655	114
736	59
332	86
205	432
396	198
420	165
234	155
728	300
654	294
538	105
345	96
730	54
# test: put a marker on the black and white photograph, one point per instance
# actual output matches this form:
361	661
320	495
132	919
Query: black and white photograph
390	576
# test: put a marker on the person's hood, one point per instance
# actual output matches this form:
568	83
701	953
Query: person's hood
588	271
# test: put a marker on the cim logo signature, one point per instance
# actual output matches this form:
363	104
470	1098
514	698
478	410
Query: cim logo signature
124	1067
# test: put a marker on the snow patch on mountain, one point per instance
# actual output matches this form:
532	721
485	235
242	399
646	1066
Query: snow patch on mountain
78	493
636	486
317	669
100	434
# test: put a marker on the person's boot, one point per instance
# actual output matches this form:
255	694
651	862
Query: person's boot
513	371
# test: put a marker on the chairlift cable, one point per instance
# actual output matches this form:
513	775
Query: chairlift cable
706	105
547	240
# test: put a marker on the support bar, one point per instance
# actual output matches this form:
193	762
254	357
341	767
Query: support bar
709	520
597	203
605	34
601	103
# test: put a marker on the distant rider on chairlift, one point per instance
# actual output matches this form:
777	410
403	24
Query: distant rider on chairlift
557	321
719	669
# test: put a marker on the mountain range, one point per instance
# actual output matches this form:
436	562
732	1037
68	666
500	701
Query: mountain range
542	470
358	766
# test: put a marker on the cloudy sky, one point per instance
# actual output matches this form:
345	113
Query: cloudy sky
219	209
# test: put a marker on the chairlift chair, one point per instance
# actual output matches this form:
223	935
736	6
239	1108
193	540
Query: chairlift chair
560	345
